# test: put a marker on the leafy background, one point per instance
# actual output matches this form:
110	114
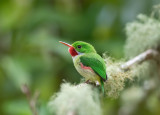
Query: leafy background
30	52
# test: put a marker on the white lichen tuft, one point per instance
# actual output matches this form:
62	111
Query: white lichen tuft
143	34
76	100
116	78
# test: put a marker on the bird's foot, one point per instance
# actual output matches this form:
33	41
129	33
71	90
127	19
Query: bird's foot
97	83
87	82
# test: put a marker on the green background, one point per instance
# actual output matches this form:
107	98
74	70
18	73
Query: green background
30	52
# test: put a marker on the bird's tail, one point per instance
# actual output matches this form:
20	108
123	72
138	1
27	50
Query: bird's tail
102	87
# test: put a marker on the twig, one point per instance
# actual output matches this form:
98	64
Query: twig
31	100
149	54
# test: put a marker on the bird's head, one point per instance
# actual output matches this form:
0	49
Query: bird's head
79	47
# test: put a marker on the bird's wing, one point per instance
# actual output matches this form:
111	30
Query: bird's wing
96	63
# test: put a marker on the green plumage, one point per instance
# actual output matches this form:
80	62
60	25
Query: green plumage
94	61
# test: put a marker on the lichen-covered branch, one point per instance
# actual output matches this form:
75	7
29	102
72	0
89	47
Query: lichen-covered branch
79	99
149	54
31	100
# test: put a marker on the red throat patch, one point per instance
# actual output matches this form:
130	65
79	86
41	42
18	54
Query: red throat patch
72	51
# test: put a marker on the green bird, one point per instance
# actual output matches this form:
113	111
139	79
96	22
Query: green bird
88	63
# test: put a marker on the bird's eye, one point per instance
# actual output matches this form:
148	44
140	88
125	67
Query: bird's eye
79	46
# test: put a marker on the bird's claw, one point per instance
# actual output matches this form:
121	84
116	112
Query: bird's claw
87	82
97	83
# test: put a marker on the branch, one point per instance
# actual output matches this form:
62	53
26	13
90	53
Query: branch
31	100
149	54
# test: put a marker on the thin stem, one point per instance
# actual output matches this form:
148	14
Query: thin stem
149	54
31	100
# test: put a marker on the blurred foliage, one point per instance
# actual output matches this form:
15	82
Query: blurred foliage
30	52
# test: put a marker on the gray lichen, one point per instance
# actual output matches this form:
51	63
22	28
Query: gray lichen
116	77
143	34
75	100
